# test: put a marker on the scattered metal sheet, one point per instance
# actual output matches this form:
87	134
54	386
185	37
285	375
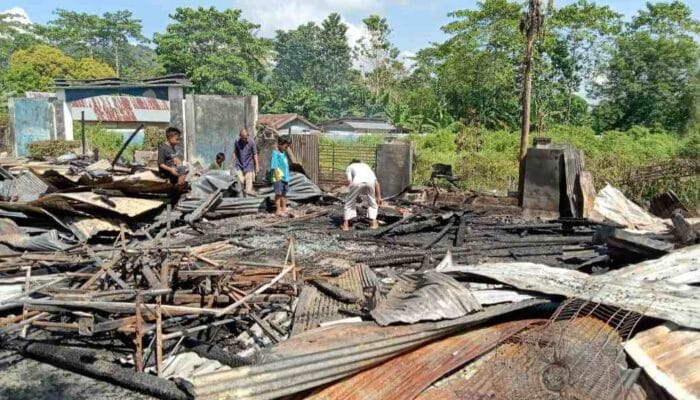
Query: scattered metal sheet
430	296
670	355
85	228
327	354
128	206
681	267
314	307
12	236
586	353
664	300
186	365
407	375
612	205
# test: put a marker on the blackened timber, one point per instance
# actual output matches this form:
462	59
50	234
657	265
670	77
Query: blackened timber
389	227
440	235
336	292
88	363
459	236
417	226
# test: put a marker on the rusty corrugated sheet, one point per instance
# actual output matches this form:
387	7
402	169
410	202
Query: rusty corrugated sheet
325	355
121	109
315	307
430	296
586	347
305	148
670	355
406	376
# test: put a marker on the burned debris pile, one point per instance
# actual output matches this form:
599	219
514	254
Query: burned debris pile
114	273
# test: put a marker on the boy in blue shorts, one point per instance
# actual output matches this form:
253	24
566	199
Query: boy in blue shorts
279	167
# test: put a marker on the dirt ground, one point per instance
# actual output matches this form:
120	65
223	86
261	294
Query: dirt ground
26	379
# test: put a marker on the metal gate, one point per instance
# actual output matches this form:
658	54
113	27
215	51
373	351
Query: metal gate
305	149
333	159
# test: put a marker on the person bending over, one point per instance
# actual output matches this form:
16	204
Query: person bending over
362	182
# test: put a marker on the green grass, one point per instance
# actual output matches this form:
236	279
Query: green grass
488	160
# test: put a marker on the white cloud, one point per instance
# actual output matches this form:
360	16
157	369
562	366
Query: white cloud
20	15
273	15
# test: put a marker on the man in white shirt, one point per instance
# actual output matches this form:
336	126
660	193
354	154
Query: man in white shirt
362	181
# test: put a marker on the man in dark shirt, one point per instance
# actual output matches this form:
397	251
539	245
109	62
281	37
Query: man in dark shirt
170	158
245	160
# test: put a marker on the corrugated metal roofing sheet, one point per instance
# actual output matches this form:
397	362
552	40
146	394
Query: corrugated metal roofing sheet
324	355
670	356
371	125
121	109
279	120
430	296
315	307
519	370
406	376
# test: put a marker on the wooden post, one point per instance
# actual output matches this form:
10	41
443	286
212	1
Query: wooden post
294	263
159	337
531	26
27	277
167	227
82	130
138	339
122	236
333	162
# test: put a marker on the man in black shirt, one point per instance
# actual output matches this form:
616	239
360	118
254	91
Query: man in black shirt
170	158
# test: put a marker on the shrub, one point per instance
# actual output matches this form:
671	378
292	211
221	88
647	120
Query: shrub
487	160
105	141
153	137
44	149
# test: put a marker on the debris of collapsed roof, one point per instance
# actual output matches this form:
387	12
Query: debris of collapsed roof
205	294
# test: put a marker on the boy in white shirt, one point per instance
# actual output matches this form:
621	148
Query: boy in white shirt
361	181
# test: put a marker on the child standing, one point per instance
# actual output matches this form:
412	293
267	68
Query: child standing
279	167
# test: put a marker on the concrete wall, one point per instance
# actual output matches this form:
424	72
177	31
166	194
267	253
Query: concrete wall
394	167
212	124
31	120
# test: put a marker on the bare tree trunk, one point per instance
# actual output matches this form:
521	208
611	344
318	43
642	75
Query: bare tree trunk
531	27
116	59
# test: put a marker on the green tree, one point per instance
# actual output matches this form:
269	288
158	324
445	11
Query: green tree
378	58
218	51
14	35
117	29
580	33
114	38
312	69
651	75
477	67
36	68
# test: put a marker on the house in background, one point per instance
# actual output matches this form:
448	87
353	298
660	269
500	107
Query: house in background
287	123
351	128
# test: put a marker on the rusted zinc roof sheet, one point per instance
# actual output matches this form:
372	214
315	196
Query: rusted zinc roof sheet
670	355
129	206
315	307
325	355
406	376
430	296
586	348
659	299
278	120
121	109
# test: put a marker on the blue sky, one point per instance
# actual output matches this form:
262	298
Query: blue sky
415	23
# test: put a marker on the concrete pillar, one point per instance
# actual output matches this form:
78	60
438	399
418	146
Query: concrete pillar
10	142
59	120
176	97
190	128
